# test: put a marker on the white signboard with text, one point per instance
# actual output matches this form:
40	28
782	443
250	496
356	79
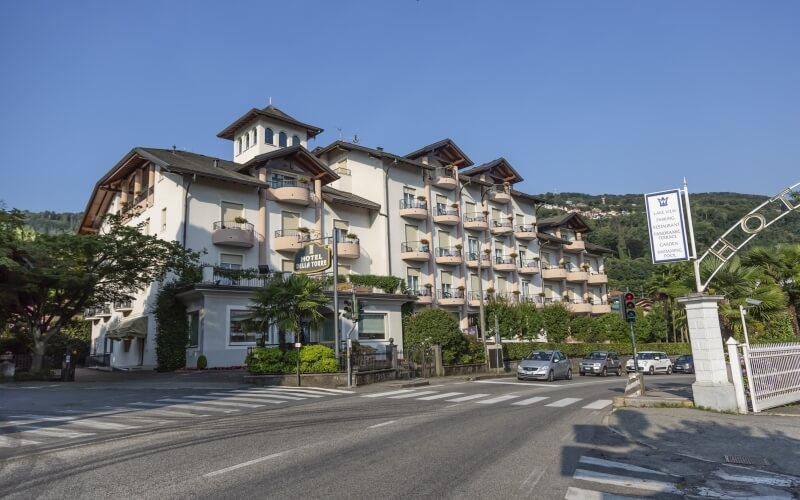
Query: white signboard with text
665	221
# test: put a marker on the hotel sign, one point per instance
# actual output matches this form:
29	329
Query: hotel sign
312	258
665	221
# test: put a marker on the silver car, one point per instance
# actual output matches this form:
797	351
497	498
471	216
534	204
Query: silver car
544	365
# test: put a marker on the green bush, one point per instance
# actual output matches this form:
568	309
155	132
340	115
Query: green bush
202	362
271	360
389	284
172	332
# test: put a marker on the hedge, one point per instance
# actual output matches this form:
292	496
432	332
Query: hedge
516	351
271	360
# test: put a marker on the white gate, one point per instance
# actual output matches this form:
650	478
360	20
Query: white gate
773	374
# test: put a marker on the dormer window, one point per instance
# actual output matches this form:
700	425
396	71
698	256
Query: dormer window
295	140
282	139
255	136
240	145
247	141
269	137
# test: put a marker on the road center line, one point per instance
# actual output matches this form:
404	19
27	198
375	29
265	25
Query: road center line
244	464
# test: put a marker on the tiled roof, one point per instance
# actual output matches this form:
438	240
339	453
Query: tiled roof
269	112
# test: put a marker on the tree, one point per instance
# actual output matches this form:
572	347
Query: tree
782	265
287	301
48	280
555	321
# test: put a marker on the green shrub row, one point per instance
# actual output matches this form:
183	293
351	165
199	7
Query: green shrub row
516	351
271	360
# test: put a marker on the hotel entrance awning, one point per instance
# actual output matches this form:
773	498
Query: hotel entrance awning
134	327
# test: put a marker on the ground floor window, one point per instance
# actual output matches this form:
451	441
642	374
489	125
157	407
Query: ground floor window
194	328
238	331
372	327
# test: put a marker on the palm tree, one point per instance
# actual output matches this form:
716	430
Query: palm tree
667	283
287	301
781	265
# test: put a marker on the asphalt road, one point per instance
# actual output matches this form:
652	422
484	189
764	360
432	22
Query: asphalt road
461	439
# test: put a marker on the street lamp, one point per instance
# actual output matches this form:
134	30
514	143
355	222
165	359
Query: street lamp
742	311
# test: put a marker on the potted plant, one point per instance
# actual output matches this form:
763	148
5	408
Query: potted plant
240	220
421	198
459	246
490	290
461	288
541	294
513	255
454	205
561	262
424	241
352	236
303	180
303	230
585	266
487	251
516	292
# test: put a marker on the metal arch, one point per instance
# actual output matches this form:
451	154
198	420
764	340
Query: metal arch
748	228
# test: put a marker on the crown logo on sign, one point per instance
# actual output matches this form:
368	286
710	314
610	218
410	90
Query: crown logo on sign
662	202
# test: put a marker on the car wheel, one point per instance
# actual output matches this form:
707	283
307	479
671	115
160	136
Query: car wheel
550	376
583	374
605	371
669	370
519	378
569	374
652	370
619	372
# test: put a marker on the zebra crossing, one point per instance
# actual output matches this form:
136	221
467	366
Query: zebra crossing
634	481
489	399
26	429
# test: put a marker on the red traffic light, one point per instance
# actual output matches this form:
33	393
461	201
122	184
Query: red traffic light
629	297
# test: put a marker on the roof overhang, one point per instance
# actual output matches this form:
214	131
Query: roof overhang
297	155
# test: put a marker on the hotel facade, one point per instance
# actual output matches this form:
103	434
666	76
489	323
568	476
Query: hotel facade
447	227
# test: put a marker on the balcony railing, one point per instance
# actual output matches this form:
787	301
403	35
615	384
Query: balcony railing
407	204
142	196
502	226
502	260
300	235
484	258
530	299
291	183
104	311
444	177
448	252
453	293
90	313
475	217
415	246
123	305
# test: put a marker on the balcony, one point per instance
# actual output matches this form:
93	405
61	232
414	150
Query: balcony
290	240
528	266
530	299
233	234
485	260
445	178
450	297
500	193
104	311
290	191
414	209
90	313
348	248
446	216
575	246
476	221
580	306
123	306
450	256
415	250
502	227
601	308
551	272
525	232
474	298
503	263
424	295
597	278
577	275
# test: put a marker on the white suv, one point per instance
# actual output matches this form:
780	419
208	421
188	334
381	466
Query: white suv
651	362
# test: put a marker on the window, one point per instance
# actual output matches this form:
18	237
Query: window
289	221
444	240
287	266
295	140
498	248
408	196
412	278
469	209
230	211
194	329
282	180
496	216
238	332
239	142
282	139
163	219
231	261
412	233
340	229
372	327
441	205
247	141
146	227
472	247
255	136
446	277
520	220
269	137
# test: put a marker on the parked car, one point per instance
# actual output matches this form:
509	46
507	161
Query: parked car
544	365
600	363
651	362
684	364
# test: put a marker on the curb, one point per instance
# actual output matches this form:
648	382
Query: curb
652	402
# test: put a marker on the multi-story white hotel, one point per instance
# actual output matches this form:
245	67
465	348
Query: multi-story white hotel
429	217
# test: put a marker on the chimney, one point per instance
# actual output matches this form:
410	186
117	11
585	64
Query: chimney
216	163
379	148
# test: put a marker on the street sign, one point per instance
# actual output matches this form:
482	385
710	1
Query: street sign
313	258
665	221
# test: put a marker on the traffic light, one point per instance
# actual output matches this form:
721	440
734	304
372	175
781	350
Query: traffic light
360	304
629	307
348	309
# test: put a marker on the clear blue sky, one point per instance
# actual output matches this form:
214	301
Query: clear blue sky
587	96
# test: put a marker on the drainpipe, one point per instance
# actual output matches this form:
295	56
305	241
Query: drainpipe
262	219
186	208
385	169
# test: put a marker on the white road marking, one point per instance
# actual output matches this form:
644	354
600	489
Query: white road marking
619	465
598	405
530	401
186	404
243	464
467	398
630	482
297	392
7	442
167	411
248	398
102	425
498	399
390	393
564	402
771	481
213	401
574	493
278	395
53	431
440	396
413	395
381	424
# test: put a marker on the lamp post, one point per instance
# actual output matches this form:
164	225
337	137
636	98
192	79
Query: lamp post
742	311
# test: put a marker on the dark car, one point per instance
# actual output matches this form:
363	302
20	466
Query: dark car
601	363
684	364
